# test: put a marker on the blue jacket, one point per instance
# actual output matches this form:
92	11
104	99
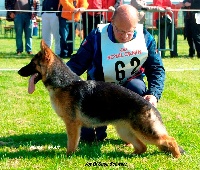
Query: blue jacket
89	57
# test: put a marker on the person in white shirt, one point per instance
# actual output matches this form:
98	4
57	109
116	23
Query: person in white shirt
50	24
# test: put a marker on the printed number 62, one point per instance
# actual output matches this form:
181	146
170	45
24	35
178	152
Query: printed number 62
120	74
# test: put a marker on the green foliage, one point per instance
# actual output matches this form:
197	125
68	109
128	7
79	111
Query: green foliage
32	136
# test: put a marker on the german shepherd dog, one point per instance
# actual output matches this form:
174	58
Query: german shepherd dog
95	103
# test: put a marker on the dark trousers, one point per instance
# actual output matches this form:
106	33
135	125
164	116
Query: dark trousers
195	28
23	23
90	22
167	33
66	35
188	36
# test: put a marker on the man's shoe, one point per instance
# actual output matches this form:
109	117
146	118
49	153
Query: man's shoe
174	55
191	55
29	52
19	53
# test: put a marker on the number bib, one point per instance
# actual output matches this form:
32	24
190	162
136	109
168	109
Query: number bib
121	61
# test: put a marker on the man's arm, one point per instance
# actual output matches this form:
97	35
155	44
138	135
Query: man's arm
141	5
81	61
154	69
9	4
117	3
138	4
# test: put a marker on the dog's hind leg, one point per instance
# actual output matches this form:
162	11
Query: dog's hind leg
126	134
161	139
168	144
158	136
149	128
73	135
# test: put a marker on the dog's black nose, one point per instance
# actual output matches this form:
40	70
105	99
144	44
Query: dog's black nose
23	72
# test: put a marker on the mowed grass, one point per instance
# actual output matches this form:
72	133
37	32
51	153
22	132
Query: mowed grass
32	136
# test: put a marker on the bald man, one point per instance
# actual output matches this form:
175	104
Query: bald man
121	52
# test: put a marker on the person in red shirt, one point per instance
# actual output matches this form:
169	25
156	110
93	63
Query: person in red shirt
166	33
111	5
92	19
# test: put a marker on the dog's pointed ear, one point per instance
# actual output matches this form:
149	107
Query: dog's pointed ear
46	51
42	44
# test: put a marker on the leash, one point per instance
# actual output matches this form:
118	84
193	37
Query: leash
141	71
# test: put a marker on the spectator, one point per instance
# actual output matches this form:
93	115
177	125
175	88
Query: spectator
111	5
192	19
187	30
22	21
166	31
50	24
92	19
141	6
121	53
70	9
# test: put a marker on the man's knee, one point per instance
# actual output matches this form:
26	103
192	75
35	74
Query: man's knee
136	85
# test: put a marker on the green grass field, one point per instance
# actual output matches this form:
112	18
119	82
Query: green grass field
32	136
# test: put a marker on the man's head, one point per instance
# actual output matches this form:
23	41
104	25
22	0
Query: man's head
124	21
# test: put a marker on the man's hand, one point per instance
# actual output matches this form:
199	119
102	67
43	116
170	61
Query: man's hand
111	8
187	4
12	15
152	99
168	9
81	10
